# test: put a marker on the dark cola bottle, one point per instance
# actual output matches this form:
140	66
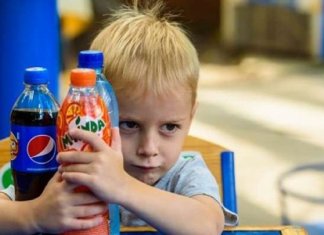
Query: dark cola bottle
33	136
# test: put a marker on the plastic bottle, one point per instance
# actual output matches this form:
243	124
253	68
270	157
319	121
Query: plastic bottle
94	60
33	135
83	108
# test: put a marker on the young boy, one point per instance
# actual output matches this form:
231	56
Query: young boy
154	70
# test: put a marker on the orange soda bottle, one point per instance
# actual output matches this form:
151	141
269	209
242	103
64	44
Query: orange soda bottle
83	108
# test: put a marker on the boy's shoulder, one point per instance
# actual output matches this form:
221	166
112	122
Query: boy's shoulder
188	158
190	155
189	163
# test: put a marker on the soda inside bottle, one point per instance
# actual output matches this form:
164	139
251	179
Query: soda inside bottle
33	134
84	109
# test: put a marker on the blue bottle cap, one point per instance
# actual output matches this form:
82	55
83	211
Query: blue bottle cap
90	59
36	76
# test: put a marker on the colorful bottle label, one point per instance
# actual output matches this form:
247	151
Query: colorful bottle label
33	148
90	116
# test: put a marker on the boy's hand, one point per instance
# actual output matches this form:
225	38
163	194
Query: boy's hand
59	208
101	171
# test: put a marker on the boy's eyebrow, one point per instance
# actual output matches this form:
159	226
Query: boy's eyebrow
128	118
176	119
173	119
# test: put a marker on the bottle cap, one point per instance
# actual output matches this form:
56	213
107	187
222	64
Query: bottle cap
90	59
82	77
36	76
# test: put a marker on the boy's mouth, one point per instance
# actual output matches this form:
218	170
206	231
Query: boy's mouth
145	168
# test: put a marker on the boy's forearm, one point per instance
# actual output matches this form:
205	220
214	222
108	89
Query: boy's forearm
172	213
16	217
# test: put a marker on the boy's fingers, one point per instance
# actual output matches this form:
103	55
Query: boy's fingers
90	210
116	141
56	177
75	167
74	157
82	198
76	178
81	223
88	137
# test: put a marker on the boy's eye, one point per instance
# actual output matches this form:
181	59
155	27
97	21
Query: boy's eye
128	125
169	128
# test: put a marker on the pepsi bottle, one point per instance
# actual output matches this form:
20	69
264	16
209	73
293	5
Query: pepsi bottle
94	60
33	135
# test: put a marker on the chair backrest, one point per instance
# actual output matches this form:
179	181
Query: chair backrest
220	162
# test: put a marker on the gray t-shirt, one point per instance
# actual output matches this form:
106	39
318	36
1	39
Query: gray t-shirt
190	176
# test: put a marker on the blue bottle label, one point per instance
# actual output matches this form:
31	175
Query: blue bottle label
33	148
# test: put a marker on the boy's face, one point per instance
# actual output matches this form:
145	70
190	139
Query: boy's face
153	129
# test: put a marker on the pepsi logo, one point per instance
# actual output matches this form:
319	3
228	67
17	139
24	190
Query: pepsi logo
41	149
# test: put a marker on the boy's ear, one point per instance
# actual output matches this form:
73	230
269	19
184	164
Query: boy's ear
194	109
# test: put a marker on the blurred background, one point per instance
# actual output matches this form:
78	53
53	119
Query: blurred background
261	94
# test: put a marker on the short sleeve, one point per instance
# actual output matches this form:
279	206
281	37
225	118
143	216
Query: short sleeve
194	178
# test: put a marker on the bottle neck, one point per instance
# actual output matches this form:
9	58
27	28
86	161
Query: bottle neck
36	87
100	76
98	70
83	90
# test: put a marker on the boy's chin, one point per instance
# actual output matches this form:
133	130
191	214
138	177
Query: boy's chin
148	179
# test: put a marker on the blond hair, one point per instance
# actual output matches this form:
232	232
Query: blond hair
144	51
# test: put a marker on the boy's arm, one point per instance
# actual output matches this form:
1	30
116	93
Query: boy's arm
173	213
56	210
16	217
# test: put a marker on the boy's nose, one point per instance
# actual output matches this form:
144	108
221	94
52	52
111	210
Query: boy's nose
148	146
